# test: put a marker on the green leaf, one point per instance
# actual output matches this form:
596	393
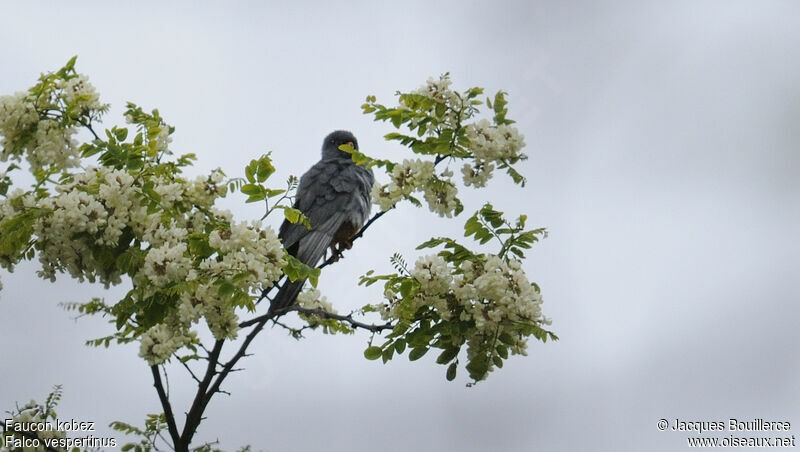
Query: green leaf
478	367
225	289
265	169
297	270
387	354
252	189
199	246
433	242
506	338
408	287
400	346
451	371
120	133
372	353
502	351
448	355
295	216
417	353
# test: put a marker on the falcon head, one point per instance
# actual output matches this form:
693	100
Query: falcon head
330	147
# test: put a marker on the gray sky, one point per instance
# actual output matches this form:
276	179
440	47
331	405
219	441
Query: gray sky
663	159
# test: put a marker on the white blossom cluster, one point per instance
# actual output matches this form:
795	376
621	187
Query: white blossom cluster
490	143
80	93
33	413
97	205
158	343
249	257
44	142
313	299
87	212
95	208
440	193
493	296
417	176
439	90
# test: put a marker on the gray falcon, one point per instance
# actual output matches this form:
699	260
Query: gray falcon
335	196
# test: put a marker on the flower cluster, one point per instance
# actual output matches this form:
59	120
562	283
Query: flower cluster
492	297
90	214
445	125
490	143
45	142
80	94
246	256
407	177
158	343
439	91
417	176
134	215
313	299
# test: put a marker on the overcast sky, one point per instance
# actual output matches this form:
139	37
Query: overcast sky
663	159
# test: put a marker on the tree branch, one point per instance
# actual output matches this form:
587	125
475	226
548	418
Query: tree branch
317	312
228	367
201	398
321	313
162	396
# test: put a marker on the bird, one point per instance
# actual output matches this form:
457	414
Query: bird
334	195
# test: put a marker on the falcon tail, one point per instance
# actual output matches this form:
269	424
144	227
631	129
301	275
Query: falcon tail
311	250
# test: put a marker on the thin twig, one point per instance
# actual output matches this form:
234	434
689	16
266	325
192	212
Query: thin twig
189	369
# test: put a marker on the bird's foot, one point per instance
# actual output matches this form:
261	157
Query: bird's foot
335	253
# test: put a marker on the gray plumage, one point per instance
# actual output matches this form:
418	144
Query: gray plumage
335	196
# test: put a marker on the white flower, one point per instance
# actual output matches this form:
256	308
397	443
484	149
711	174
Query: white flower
166	265
158	343
53	145
490	143
313	299
170	192
433	274
478	174
17	118
163	139
439	90
79	91
204	190
383	197
414	176
493	295
247	249
441	197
